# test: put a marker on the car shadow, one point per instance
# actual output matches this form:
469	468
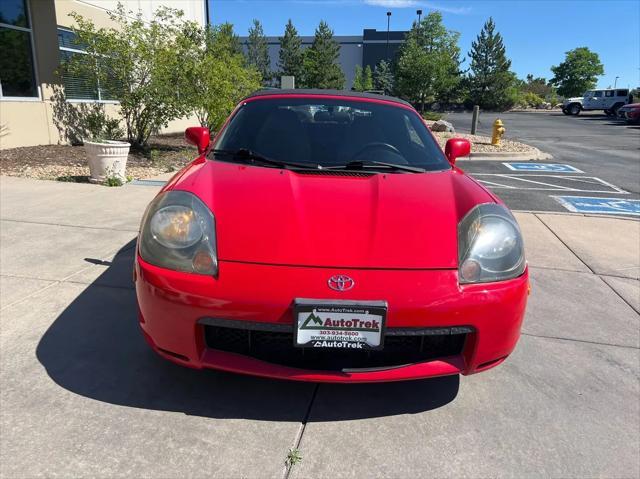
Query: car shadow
95	349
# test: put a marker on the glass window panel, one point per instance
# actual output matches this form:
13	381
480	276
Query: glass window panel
16	64
14	12
76	87
67	39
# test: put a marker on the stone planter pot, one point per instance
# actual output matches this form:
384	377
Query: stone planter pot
107	159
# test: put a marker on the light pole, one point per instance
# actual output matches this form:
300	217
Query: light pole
388	23
419	12
615	82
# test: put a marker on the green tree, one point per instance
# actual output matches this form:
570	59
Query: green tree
491	84
224	40
217	76
258	52
291	59
428	67
383	77
367	79
321	68
358	84
577	73
139	63
539	86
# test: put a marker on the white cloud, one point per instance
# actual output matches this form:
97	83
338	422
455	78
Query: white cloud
416	3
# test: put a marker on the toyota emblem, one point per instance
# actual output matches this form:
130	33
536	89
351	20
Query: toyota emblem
341	282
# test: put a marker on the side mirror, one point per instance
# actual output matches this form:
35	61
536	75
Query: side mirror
455	148
198	136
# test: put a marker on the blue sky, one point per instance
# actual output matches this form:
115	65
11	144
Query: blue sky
536	33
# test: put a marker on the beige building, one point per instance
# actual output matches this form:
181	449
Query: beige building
34	36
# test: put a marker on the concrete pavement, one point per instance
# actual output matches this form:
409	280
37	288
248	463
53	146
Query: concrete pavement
81	394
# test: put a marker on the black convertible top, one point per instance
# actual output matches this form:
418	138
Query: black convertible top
344	93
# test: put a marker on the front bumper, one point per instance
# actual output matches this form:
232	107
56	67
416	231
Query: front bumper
629	115
178	310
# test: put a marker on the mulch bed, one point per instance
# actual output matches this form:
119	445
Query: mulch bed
166	153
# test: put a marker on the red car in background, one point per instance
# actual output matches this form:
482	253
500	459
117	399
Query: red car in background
325	236
630	113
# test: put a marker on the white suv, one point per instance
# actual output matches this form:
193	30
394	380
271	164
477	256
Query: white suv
608	100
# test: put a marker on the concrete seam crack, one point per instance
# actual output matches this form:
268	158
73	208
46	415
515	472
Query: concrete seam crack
69	226
574	340
565	244
58	281
303	427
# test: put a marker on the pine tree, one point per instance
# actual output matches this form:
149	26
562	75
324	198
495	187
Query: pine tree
491	83
222	40
383	77
358	84
428	67
321	68
291	58
257	51
367	80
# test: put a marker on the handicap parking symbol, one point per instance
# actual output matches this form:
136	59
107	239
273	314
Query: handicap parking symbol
547	167
608	206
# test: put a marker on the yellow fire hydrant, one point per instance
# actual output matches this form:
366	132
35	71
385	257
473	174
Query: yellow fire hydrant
498	131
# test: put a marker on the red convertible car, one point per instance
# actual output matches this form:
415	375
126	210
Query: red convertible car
325	236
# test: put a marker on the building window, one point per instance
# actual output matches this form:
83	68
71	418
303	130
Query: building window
17	77
77	87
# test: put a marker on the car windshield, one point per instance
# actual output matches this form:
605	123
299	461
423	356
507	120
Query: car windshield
327	133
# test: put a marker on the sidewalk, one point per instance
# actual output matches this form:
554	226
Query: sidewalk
81	393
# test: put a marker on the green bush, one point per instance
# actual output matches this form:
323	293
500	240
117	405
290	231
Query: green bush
432	115
100	127
530	100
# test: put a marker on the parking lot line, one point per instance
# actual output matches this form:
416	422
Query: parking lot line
537	182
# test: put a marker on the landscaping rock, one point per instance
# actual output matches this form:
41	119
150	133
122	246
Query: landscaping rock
442	125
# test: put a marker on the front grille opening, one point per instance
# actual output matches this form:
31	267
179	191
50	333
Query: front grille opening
359	174
278	348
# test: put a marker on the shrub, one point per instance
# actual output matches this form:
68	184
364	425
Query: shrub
432	115
137	62
530	100
77	122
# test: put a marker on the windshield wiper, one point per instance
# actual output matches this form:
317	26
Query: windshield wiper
360	165
248	156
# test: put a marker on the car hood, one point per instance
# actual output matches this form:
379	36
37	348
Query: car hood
274	216
574	99
630	106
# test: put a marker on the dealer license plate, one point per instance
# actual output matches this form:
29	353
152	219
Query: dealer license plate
339	325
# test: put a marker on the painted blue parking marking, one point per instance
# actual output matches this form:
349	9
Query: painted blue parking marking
607	206
547	167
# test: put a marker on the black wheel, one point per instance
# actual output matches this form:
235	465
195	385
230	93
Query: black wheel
574	109
608	113
615	108
565	111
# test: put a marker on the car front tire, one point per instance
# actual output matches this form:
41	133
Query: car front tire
615	109
574	109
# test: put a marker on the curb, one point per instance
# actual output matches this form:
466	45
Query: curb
585	215
501	156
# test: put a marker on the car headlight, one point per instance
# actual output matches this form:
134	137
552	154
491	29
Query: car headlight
490	246
178	232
